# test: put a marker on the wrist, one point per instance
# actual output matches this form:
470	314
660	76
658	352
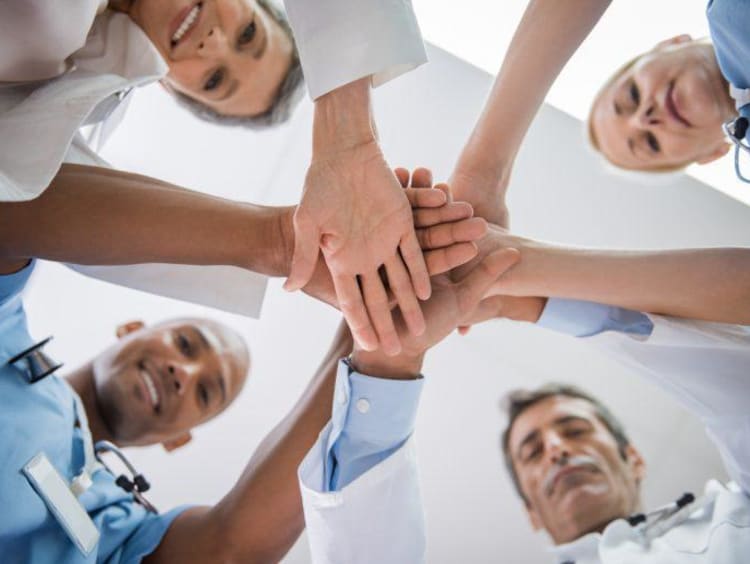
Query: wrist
378	365
343	119
267	243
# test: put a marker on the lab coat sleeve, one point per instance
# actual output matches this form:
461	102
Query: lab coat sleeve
376	518
227	288
340	41
706	367
37	36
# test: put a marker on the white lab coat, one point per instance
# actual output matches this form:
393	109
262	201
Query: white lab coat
340	41
705	366
90	72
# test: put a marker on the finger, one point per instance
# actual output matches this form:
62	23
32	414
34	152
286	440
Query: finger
376	301
446	234
471	289
411	253
403	176
443	187
305	256
425	197
447	258
425	216
421	178
400	284
353	308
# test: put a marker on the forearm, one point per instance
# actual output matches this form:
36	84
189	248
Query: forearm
548	35
91	215
708	284
261	517
343	119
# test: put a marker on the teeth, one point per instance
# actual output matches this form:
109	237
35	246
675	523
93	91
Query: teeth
186	23
151	388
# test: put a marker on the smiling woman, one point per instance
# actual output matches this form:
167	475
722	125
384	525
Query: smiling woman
231	62
664	109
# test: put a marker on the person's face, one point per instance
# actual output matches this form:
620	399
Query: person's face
156	383
228	54
570	470
666	110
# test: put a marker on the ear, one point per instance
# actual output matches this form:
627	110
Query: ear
676	40
721	150
128	327
177	442
636	463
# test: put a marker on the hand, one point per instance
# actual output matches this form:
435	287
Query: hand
505	307
450	305
484	190
355	211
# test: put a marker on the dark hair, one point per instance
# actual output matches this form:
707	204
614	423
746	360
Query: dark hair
285	100
518	401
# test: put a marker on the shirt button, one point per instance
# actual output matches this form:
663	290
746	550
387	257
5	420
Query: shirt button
363	405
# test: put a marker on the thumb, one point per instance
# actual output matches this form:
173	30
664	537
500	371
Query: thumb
472	289
305	256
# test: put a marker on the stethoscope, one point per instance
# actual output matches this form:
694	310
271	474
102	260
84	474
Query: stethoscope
736	131
655	523
34	365
137	486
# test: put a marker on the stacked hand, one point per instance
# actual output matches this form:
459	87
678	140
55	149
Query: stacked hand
451	303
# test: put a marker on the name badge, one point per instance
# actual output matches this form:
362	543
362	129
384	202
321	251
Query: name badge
69	512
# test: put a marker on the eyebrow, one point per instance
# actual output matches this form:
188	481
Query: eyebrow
207	346
534	434
262	49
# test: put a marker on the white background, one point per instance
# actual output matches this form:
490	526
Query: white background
559	192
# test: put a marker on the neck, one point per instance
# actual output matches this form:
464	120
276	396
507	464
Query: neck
722	84
82	381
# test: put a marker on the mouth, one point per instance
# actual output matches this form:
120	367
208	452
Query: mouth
150	388
669	103
566	471
184	24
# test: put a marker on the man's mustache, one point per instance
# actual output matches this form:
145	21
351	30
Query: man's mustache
566	463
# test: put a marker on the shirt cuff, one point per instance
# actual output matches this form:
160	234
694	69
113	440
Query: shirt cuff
584	319
372	417
340	41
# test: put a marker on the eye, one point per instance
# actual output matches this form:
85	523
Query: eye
247	35
183	343
214	80
572	433
652	142
635	94
533	453
203	395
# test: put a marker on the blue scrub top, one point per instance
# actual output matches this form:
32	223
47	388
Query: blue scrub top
41	417
729	24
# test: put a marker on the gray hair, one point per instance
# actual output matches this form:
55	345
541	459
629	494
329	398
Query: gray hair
286	99
518	401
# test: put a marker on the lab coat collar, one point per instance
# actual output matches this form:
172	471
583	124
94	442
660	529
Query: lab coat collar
117	45
583	550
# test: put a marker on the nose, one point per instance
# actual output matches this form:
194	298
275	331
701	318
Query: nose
556	448
647	115
179	376
213	42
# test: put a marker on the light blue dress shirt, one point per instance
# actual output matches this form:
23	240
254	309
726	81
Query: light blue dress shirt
41	417
372	417
729	24
584	319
